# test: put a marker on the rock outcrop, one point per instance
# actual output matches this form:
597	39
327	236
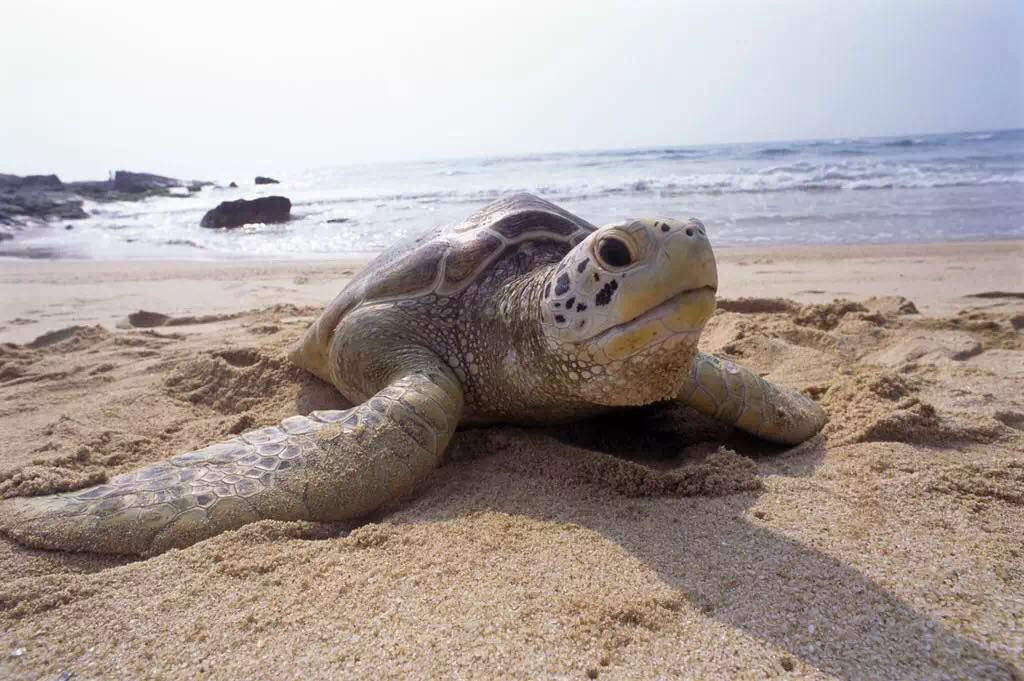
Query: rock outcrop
137	183
265	180
30	182
34	199
266	209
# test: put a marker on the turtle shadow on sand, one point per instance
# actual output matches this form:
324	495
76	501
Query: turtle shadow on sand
714	550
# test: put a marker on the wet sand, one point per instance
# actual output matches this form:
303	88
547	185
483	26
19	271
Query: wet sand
656	545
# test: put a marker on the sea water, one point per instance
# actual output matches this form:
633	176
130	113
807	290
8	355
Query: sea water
861	190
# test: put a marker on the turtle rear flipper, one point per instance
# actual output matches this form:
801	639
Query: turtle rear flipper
736	395
329	466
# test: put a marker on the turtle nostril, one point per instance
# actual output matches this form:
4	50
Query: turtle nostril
689	231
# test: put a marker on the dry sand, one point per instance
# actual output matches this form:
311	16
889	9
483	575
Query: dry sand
655	545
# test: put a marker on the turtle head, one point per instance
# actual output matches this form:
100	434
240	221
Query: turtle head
627	305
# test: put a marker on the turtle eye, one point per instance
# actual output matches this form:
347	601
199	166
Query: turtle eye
614	252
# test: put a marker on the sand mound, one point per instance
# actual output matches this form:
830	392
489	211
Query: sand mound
691	471
994	328
71	338
932	347
100	451
828	316
230	381
873	405
891	305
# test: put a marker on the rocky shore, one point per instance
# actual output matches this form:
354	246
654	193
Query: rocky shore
31	200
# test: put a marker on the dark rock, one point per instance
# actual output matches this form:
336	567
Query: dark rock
337	220
266	209
94	189
143	319
40	205
42	182
30	182
266	180
36	198
183	242
137	183
5	236
69	226
127	186
233	185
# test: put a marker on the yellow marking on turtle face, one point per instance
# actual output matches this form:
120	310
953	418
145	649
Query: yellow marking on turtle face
628	342
632	304
693	314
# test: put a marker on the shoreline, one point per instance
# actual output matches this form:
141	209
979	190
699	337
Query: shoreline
40	296
366	256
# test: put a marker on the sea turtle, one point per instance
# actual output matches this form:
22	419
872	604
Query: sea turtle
524	313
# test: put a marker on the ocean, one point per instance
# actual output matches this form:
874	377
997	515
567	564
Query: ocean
854	190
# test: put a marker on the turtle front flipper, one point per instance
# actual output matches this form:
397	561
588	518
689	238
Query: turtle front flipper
736	395
329	466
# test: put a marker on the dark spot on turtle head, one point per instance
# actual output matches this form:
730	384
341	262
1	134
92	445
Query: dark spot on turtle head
597	277
560	319
562	285
547	290
569	303
581	307
580	323
558	305
604	296
583	265
664	227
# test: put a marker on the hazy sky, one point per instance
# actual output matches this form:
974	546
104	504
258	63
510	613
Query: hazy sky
211	89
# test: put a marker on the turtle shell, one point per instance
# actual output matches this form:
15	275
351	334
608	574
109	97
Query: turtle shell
443	261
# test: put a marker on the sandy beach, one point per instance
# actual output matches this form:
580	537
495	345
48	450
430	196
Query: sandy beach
656	545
